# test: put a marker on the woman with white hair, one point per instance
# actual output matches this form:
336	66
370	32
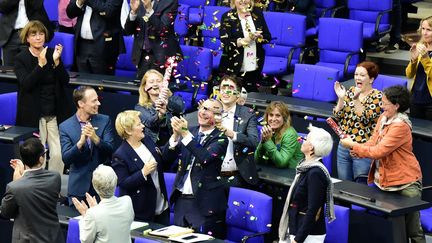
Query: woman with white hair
110	220
303	215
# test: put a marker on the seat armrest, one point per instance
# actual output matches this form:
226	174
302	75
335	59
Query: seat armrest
378	21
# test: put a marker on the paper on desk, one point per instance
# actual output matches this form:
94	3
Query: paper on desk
134	225
137	225
171	231
335	180
192	237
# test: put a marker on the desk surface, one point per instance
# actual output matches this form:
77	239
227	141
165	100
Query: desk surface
421	127
65	213
388	203
15	134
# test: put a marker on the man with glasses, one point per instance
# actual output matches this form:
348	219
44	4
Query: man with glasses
31	197
239	124
86	141
198	196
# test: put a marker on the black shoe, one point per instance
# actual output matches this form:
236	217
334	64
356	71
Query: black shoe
391	48
404	46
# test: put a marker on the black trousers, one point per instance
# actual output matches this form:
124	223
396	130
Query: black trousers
90	61
12	48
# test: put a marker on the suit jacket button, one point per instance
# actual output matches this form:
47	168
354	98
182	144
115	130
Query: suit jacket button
138	191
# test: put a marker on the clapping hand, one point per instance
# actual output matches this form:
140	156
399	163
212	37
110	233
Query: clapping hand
82	206
134	4
180	126
339	90
57	54
422	50
42	61
18	167
266	133
414	53
147	5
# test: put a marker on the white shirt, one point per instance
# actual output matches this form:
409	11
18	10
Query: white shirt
146	156
86	32
187	187
229	163
22	18
249	55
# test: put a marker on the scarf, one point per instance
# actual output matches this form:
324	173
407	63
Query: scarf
302	168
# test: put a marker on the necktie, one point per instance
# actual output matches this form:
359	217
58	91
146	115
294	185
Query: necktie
189	163
147	45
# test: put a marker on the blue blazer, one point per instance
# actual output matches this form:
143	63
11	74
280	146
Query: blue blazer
127	165
83	162
208	189
245	124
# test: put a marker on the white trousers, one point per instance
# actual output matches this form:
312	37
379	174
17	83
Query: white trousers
49	134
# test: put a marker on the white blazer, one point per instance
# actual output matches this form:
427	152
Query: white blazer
109	221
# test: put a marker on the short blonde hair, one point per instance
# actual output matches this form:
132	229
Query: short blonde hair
125	121
32	27
232	3
144	98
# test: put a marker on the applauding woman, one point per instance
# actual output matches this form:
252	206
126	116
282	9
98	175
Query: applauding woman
395	168
41	89
278	145
138	165
243	32
357	111
420	69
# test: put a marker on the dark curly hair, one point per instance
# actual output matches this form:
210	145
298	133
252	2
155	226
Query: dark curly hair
398	95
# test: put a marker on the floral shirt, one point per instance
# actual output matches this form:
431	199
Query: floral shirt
359	128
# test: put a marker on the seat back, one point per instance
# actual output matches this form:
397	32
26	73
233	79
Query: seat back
195	10
374	14
340	42
288	32
169	184
194	73
124	66
67	41
337	231
314	82
385	81
210	31
51	8
8	103
181	22
248	212
73	234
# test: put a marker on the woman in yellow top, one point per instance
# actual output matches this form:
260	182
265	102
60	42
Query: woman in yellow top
278	144
420	69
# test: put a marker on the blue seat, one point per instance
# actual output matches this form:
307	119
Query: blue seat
426	220
323	8
375	16
67	41
8	102
169	184
194	73
314	82
124	66
337	231
289	36
340	43
210	31
181	22
195	11
144	240
384	81
248	216
51	7
73	234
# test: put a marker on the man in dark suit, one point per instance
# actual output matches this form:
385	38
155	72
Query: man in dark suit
15	14
152	24
31	197
86	141
199	197
239	124
98	37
